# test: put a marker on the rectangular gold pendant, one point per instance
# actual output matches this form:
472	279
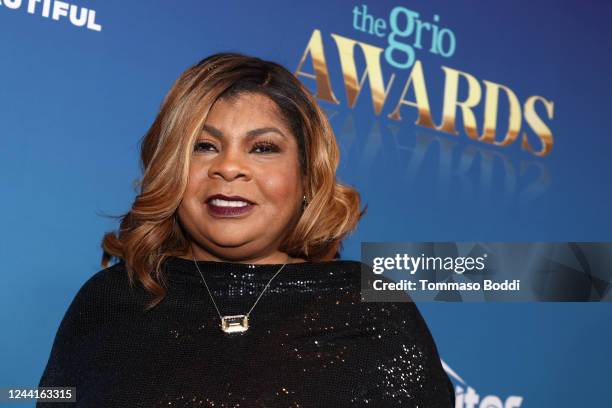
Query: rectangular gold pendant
234	324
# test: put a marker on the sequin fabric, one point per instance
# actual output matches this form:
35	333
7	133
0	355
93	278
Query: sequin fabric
311	342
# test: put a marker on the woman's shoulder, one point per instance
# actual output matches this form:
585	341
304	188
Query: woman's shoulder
108	279
103	297
362	275
340	265
394	336
105	287
348	266
338	272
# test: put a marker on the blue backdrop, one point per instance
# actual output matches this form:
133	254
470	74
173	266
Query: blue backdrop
76	100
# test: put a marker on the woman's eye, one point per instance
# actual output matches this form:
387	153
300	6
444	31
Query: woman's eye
266	147
202	146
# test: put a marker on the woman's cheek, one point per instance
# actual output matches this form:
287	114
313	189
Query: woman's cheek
278	189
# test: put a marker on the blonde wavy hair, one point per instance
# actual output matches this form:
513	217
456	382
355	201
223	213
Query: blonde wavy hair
149	232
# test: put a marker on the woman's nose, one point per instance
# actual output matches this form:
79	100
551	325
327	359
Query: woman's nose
229	164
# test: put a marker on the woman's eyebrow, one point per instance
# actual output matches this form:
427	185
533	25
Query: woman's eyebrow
251	133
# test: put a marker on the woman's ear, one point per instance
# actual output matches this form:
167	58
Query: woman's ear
305	198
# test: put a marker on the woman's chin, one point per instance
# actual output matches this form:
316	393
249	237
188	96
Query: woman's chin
231	242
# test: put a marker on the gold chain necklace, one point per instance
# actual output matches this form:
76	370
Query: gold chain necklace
234	323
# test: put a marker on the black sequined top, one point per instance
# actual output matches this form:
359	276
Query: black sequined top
311	342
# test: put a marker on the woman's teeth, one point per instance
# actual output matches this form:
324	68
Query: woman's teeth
223	203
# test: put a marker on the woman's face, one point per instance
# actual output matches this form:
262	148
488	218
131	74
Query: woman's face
245	150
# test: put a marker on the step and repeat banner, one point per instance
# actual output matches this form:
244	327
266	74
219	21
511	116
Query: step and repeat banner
475	131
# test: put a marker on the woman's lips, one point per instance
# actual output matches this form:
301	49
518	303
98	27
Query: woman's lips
223	211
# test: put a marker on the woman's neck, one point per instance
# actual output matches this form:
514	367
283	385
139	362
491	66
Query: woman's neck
277	257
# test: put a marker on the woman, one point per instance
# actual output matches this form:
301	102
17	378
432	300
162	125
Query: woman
227	292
